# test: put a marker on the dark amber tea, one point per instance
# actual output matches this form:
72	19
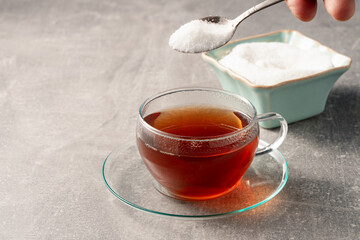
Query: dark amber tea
201	152
198	142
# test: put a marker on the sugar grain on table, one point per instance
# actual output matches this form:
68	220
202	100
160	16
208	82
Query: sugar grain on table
270	63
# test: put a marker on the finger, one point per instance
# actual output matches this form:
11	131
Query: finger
341	10
305	10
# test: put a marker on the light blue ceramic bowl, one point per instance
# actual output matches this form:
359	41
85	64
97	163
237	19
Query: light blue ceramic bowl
295	99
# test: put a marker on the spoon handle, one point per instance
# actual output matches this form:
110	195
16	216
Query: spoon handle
254	9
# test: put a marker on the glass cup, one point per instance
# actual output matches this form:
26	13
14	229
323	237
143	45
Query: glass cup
197	143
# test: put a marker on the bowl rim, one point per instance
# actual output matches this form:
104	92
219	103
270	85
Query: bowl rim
206	57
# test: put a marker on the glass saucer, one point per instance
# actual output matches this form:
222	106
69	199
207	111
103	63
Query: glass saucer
127	177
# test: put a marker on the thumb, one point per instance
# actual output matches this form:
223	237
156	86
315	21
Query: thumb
341	10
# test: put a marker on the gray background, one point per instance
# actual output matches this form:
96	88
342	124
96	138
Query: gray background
72	75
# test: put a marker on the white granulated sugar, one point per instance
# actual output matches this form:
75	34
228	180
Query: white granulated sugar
270	63
199	36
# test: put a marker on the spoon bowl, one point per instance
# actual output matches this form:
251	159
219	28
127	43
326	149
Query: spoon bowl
211	32
216	19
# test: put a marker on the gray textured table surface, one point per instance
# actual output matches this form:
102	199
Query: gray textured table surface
73	74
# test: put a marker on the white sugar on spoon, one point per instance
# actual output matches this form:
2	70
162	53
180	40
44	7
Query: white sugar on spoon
209	33
200	36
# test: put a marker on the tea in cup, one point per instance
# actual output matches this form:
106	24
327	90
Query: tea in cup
197	143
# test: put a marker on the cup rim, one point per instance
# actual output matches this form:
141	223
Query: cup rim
253	118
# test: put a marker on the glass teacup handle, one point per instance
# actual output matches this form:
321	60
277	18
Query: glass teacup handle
282	133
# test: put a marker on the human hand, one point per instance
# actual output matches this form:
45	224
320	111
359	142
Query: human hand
305	10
